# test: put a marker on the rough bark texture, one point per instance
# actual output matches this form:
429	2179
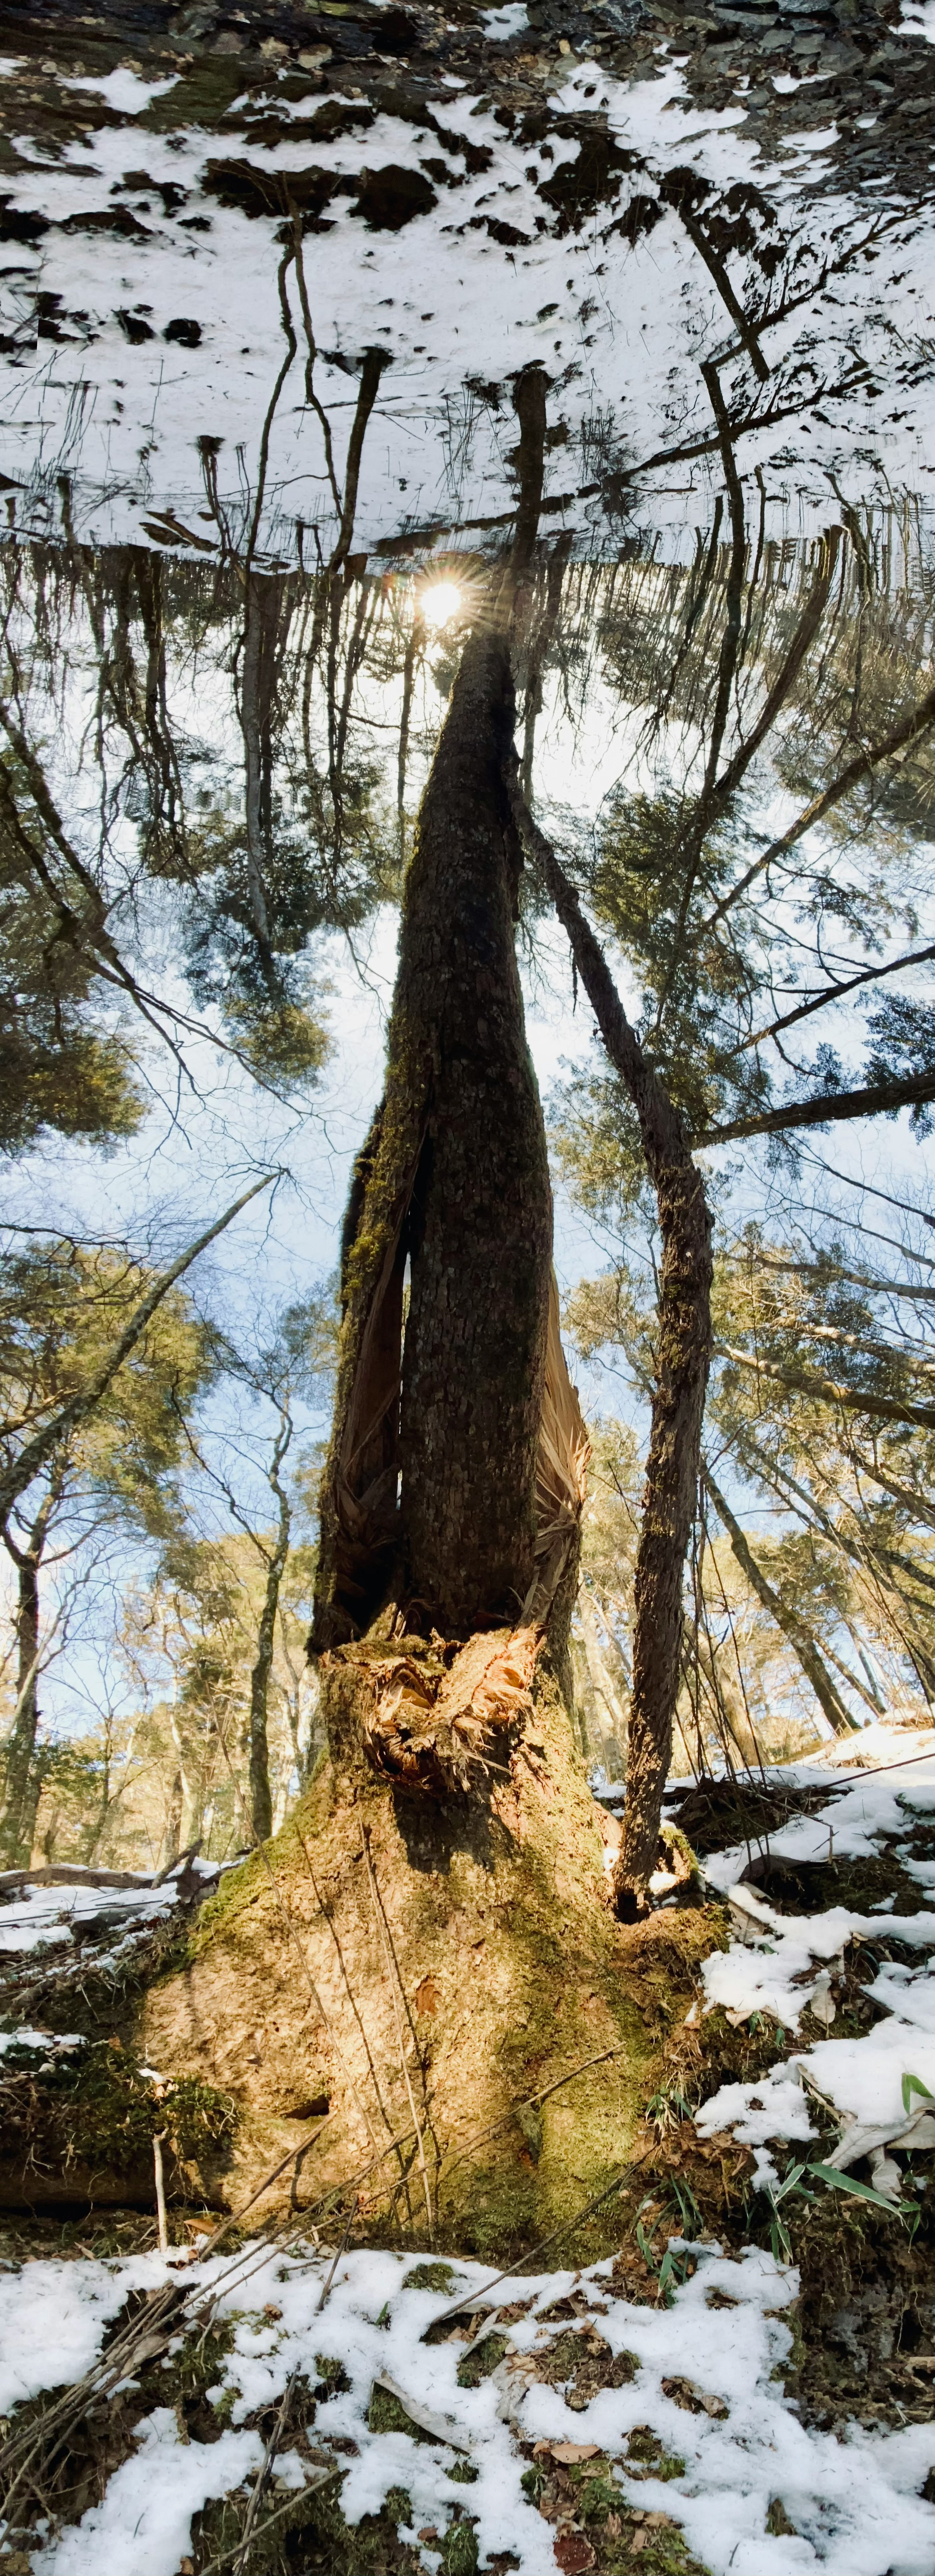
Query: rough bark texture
455	1176
803	1646
514	1973
481	1236
683	1361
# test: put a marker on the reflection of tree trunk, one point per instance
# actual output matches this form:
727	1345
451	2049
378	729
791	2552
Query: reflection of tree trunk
455	1173
265	596
261	1803
803	1645
412	648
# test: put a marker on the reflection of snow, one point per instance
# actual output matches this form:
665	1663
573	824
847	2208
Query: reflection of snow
480	283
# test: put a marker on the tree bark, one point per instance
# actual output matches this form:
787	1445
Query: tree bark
827	1108
803	1645
684	1355
262	617
430	1482
21	1789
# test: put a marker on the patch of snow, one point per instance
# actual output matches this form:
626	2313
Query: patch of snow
622	329
849	2499
43	2043
53	2316
509	21
124	91
918	19
143	2525
39	1917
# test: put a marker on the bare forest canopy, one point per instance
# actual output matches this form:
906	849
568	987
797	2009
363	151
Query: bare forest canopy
253	526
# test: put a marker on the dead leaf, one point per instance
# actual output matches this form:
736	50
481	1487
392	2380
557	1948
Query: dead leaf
686	2393
428	1996
569	2453
429	2532
574	2554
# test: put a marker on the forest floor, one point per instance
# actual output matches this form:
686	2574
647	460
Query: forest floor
744	2385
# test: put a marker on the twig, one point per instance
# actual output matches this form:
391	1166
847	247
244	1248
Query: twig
265	2466
342	2248
227	2554
160	2190
473	2297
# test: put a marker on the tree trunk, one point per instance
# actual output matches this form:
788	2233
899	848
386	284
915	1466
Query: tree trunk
683	1361
266	595
616	1717
803	1645
171	1843
21	1788
447	1573
430	1483
261	1803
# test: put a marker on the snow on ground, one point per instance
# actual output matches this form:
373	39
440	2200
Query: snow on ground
69	1912
853	2502
881	2083
175	329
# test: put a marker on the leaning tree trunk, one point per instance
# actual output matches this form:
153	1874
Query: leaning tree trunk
802	1643
683	1357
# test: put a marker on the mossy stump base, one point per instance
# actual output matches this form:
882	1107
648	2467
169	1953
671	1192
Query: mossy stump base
512	1972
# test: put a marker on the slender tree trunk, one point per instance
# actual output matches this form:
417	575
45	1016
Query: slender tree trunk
803	1645
21	1788
261	1802
171	1843
600	1677
683	1361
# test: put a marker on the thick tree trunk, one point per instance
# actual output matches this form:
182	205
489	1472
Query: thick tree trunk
481	1226
430	1483
682	1364
802	1644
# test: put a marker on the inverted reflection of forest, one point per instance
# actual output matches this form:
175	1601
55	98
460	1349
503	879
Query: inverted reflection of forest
210	776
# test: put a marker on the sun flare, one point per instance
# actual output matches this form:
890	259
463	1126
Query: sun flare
440	604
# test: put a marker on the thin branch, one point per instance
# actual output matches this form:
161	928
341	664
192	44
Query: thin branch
832	993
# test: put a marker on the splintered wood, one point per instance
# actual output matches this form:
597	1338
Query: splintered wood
438	1728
